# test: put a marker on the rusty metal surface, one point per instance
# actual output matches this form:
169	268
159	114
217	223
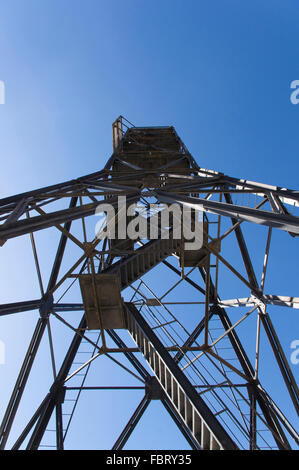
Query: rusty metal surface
110	315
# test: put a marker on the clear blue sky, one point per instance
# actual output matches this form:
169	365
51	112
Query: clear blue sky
219	71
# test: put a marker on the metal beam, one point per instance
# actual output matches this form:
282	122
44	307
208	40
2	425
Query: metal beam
17	307
64	371
281	360
206	414
56	389
288	223
41	222
256	394
180	423
31	423
60	250
21	382
248	370
132	423
243	247
129	355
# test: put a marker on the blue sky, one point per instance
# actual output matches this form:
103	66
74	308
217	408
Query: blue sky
219	71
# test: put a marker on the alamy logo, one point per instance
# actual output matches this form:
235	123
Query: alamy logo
295	354
294	97
136	221
2	92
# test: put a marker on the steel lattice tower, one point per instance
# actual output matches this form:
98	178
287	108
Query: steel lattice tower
158	311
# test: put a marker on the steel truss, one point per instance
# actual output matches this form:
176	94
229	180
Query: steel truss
217	402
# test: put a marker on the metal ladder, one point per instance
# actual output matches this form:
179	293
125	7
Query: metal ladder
199	419
146	257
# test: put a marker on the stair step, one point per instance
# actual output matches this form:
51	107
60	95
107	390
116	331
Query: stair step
190	409
146	258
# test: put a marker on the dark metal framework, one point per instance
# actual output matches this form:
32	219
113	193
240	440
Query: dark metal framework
217	402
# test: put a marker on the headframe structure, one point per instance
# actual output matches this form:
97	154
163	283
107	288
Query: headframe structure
191	354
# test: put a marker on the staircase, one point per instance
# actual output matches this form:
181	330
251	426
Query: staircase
146	257
206	430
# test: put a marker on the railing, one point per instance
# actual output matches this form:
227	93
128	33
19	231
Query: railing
179	390
146	258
